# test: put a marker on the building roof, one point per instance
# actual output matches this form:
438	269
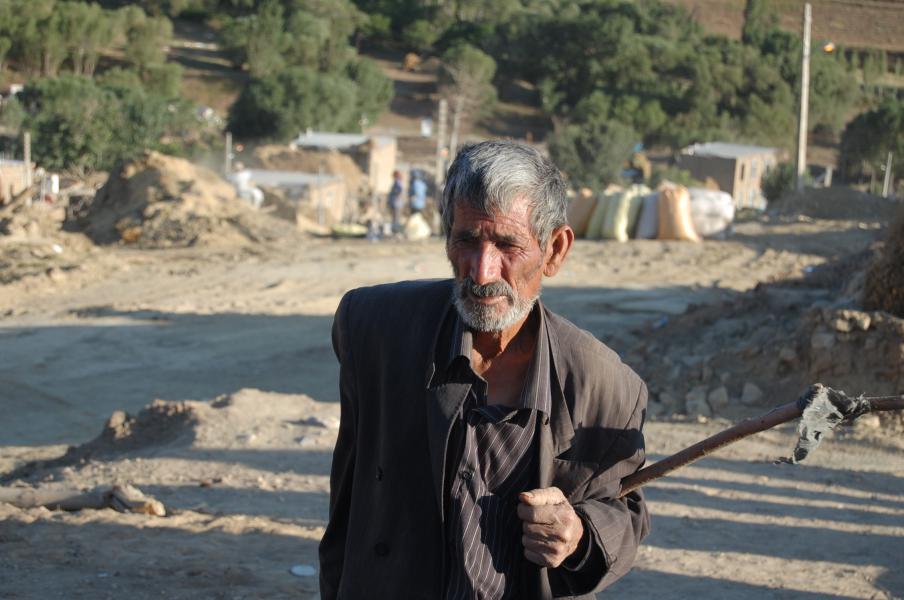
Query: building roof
338	141
726	150
287	178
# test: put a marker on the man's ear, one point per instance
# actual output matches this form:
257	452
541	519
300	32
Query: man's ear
557	248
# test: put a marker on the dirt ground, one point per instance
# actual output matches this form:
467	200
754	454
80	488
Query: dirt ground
239	337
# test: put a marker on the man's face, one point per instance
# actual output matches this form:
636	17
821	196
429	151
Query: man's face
498	266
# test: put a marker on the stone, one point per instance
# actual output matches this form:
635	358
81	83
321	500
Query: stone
706	373
860	320
668	400
695	402
822	340
868	422
787	355
751	395
718	398
842	325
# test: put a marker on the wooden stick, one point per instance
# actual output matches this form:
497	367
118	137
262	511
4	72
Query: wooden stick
748	427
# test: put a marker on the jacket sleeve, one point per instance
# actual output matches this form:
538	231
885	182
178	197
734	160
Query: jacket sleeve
332	545
615	525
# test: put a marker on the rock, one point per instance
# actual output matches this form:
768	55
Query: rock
787	355
303	571
695	402
860	320
822	340
706	373
868	422
842	325
668	400
327	422
751	395
718	398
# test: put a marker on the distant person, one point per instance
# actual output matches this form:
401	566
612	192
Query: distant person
396	202
482	437
417	193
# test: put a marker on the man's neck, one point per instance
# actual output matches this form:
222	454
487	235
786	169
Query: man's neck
519	340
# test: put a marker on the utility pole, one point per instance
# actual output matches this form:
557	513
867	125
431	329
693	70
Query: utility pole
26	158
227	157
886	184
442	118
804	100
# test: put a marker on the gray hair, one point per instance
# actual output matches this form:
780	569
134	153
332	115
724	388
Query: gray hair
489	176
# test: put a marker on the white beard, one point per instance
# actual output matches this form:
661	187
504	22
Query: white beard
489	319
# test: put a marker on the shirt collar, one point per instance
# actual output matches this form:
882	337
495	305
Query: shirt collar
536	393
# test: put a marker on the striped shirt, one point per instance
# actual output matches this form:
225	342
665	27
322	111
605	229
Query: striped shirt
492	457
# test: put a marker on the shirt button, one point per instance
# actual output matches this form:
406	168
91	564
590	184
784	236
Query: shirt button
381	549
467	475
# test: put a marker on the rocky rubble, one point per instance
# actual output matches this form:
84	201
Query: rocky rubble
764	347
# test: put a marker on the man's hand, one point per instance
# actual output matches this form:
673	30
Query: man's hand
552	530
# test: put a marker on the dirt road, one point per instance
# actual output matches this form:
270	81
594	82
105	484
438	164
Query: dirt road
244	337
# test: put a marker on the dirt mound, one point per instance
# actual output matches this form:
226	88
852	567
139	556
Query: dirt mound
160	201
764	347
160	423
333	162
835	203
884	283
33	243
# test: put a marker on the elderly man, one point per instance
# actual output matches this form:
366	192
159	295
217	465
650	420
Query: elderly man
482	437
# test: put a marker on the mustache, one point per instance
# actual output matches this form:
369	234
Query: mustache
496	288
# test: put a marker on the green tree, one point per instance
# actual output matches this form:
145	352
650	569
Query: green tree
146	40
280	106
590	147
375	90
759	21
869	137
778	181
465	79
79	125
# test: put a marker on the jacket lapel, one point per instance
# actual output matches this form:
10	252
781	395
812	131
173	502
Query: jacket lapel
443	403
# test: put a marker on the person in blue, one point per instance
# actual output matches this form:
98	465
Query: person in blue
396	202
417	193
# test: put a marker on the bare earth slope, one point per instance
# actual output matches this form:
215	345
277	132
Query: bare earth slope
239	338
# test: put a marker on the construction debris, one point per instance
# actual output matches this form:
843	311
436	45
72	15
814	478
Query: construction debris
161	201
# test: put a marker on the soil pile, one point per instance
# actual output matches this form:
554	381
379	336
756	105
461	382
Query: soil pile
160	201
764	347
33	243
834	203
160	423
333	162
884	284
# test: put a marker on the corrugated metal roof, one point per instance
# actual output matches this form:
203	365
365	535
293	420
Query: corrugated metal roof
339	141
726	150
285	178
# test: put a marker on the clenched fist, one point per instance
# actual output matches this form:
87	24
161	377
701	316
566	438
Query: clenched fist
552	530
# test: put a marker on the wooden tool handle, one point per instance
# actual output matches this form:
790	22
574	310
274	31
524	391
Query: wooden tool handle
777	416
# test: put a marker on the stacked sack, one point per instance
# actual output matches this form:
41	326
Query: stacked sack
674	212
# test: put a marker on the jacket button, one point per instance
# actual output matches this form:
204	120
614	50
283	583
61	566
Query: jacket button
467	475
379	474
381	549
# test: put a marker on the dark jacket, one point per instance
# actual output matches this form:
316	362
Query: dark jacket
385	534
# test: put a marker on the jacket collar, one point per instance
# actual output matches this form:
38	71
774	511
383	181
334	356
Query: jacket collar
445	399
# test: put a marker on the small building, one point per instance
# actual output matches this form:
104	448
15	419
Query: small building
318	198
374	154
14	178
737	168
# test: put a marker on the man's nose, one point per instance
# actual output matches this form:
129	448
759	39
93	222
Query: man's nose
485	265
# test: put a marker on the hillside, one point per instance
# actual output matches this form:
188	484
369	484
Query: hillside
861	24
